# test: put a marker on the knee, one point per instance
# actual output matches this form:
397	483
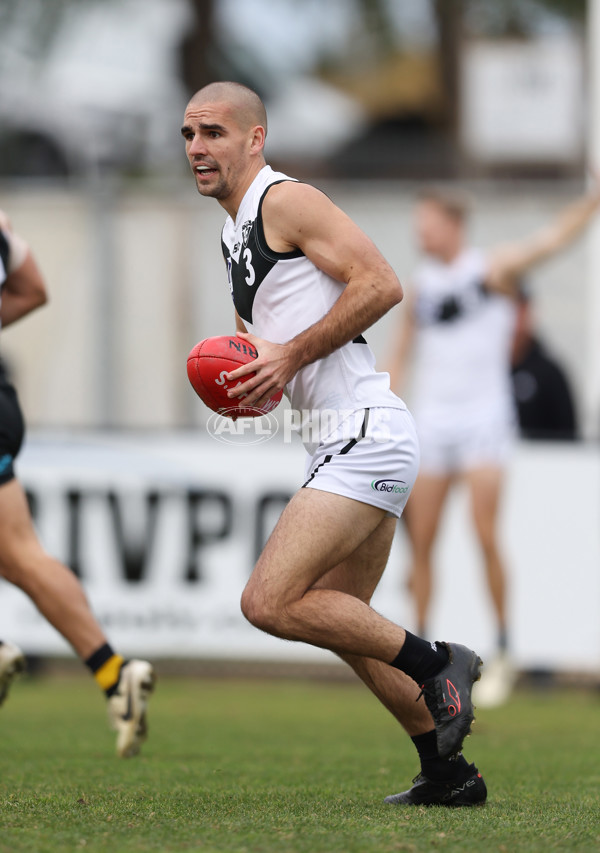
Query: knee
262	612
489	547
21	566
421	544
13	570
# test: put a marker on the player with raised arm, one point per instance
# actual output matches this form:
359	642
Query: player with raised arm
52	587
459	324
306	283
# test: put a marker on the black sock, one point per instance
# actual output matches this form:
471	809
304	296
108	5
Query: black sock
502	640
420	659
106	667
432	766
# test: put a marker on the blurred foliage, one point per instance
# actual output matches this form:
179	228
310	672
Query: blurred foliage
568	8
376	19
520	18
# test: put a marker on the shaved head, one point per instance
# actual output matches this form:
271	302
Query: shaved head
247	107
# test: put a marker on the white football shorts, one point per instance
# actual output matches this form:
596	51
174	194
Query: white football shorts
448	449
372	457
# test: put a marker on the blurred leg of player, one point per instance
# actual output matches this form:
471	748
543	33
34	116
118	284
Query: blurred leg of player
485	486
58	595
313	582
423	515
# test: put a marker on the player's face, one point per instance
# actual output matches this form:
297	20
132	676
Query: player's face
438	234
216	148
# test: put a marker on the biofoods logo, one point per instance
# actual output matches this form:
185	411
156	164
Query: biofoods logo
248	429
396	487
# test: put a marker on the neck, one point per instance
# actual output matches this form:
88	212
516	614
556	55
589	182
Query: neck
232	203
450	253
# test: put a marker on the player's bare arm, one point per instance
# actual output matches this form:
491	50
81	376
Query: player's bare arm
300	216
23	291
508	263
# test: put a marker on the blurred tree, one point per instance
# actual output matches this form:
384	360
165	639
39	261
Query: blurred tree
449	24
377	23
576	9
197	49
205	56
519	18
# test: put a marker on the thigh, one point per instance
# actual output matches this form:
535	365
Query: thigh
424	509
485	488
359	574
316	532
18	538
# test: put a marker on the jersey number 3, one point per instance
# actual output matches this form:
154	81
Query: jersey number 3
251	277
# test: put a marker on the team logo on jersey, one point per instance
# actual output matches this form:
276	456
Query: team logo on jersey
246	229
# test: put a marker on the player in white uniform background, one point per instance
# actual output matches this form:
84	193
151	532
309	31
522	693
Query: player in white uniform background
308	282
457	331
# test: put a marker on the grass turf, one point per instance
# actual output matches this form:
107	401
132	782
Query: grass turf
284	766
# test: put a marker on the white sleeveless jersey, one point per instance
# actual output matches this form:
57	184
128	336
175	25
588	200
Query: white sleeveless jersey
463	340
278	295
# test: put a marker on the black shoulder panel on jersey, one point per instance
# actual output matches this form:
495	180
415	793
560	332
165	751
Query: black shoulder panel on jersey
4	253
263	246
254	262
248	272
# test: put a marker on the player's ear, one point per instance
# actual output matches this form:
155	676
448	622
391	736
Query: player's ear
257	139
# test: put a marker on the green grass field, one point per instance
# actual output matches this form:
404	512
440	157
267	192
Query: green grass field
285	766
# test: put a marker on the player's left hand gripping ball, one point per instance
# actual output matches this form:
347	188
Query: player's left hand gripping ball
208	364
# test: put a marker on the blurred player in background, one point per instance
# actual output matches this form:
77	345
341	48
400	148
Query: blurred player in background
459	322
307	282
542	392
51	586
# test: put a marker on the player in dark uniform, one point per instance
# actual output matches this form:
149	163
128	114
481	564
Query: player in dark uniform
52	587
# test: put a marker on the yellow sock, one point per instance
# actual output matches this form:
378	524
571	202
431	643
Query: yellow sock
108	674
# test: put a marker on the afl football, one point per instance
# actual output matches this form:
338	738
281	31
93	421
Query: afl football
208	364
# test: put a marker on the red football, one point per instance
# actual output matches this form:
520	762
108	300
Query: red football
208	364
